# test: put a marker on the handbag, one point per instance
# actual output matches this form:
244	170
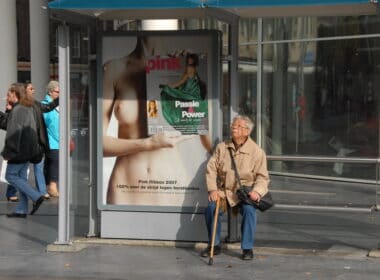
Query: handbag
3	171
72	145
265	202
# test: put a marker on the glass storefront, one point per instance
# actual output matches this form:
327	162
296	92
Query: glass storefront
320	95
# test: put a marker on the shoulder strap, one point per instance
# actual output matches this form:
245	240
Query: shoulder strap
234	166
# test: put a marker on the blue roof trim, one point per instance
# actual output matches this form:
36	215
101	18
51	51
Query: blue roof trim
177	4
123	4
272	3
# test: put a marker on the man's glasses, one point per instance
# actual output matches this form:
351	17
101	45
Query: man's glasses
238	127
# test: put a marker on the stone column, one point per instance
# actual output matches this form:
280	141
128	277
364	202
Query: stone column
39	45
8	52
8	49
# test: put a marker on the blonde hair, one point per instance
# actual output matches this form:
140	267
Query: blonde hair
51	86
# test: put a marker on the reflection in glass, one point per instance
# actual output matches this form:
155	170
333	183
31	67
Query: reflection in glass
323	99
312	27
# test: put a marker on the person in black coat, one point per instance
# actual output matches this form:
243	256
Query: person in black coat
22	145
11	99
39	108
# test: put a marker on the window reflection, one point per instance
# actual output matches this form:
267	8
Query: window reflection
308	27
319	97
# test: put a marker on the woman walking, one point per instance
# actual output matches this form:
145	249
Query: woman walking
21	147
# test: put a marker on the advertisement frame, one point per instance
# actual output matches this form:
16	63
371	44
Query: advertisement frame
213	87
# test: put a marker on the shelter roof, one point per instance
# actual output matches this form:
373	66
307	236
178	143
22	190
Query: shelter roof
168	9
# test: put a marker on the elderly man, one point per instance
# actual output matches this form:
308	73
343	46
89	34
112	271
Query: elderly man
251	164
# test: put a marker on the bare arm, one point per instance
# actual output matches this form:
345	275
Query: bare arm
206	143
179	83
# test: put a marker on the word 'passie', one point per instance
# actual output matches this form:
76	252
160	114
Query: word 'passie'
190	114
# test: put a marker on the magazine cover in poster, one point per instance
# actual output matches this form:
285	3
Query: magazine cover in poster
157	111
177	94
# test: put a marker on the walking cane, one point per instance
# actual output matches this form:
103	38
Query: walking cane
216	215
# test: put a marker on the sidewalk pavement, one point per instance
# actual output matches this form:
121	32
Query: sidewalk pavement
24	255
309	246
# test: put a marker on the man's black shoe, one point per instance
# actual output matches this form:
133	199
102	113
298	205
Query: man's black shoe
37	204
206	252
16	215
247	254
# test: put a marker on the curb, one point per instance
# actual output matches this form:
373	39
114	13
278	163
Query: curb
335	251
375	253
69	248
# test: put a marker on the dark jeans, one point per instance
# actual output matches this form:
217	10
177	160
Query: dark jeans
51	166
248	224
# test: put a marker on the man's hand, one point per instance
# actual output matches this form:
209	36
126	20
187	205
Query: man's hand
254	196
213	196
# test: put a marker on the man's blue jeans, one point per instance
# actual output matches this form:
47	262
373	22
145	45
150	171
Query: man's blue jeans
248	224
16	175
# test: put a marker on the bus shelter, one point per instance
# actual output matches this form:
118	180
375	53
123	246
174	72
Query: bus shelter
227	11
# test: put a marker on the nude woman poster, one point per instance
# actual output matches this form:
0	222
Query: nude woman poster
144	165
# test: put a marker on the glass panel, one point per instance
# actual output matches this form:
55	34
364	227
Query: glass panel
312	27
306	191
226	104
76	42
79	91
247	34
247	75
323	99
289	28
356	171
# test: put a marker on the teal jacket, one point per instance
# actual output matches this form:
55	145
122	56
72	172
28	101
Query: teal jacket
52	124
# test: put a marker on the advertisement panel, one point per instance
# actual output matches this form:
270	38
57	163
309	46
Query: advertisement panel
159	104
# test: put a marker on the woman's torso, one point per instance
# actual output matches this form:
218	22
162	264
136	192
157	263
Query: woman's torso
142	168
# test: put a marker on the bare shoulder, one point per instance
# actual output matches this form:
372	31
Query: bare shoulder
114	66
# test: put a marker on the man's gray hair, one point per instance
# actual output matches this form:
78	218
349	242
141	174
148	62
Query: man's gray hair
52	85
248	121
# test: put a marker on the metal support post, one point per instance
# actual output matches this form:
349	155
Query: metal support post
233	223
64	132
93	222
